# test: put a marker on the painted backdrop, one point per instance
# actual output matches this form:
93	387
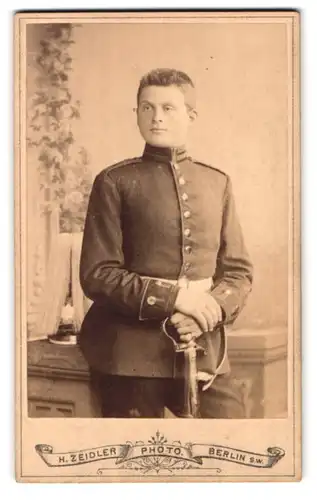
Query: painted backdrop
240	72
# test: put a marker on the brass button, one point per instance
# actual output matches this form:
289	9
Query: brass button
188	249
182	181
187	214
187	266
151	300
184	196
187	232
176	166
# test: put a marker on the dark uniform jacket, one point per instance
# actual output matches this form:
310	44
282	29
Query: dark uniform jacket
166	216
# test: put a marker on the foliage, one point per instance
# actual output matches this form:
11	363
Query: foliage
64	175
77	185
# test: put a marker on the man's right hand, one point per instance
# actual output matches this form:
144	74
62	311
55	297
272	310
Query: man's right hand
187	327
200	306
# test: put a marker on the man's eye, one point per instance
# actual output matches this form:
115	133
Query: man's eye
146	108
168	108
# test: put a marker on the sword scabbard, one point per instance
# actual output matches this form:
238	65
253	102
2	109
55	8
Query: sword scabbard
190	383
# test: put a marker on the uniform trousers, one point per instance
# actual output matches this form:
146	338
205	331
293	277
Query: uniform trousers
133	397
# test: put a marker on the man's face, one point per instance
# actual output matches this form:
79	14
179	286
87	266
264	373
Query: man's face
163	117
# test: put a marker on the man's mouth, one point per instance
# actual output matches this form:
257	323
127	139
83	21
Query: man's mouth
158	129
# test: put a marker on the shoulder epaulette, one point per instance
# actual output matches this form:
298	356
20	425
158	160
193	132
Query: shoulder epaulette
123	163
210	166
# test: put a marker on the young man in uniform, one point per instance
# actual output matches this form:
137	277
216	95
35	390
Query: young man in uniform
162	253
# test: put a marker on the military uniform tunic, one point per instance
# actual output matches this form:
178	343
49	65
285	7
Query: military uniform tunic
162	216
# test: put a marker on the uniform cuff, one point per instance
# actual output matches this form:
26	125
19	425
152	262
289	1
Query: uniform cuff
228	303
158	300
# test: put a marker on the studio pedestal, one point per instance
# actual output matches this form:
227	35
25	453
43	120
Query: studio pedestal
259	360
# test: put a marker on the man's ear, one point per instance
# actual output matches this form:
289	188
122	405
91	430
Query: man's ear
192	114
135	111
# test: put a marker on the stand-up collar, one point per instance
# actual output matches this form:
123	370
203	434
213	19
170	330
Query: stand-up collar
166	155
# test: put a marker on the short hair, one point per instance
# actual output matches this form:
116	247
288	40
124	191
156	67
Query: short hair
164	77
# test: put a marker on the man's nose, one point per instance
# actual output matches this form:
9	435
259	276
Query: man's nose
157	115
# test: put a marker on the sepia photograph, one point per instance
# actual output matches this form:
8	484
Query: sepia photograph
157	237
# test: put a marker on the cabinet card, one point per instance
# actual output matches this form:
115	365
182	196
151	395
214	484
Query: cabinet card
157	246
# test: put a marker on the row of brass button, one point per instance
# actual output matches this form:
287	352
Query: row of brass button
186	214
